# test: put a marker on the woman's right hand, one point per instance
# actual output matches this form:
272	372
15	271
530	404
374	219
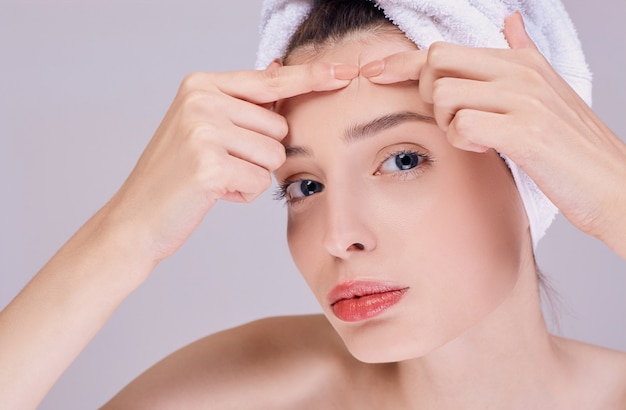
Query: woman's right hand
218	140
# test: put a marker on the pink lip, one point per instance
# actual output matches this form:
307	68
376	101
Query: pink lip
360	300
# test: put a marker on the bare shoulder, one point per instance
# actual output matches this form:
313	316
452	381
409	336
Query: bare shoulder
280	362
599	370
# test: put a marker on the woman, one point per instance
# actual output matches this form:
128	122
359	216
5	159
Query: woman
381	202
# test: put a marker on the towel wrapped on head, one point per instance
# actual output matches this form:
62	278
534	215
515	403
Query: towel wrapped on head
472	23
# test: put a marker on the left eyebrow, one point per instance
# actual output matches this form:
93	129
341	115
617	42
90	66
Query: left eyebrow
357	132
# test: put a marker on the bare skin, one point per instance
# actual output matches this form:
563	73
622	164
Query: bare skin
217	141
226	144
504	359
300	362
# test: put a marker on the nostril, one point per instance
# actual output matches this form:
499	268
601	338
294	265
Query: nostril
359	246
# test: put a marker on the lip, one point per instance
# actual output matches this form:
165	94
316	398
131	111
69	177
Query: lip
360	300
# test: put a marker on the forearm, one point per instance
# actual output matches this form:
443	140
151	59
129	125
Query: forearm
611	217
615	234
56	315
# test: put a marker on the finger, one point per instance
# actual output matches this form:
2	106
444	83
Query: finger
515	32
517	37
243	181
477	131
250	146
452	60
276	83
453	94
258	119
468	128
403	66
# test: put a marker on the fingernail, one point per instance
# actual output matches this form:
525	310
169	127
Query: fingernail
345	71
373	68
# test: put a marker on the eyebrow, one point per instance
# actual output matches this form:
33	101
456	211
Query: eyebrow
357	132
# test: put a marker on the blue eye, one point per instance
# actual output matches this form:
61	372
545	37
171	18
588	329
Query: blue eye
302	188
402	161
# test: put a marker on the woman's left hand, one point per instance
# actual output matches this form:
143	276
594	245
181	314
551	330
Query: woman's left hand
513	101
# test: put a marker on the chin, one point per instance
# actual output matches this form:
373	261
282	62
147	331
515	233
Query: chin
387	353
372	343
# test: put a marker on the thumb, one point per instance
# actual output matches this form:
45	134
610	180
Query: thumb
515	32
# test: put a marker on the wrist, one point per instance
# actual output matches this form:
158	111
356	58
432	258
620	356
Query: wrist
114	253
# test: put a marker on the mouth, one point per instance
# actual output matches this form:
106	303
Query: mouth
356	301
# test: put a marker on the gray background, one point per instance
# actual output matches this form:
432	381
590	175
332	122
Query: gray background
84	85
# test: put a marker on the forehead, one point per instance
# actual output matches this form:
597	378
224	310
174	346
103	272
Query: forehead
361	100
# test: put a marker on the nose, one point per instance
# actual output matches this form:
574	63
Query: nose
347	230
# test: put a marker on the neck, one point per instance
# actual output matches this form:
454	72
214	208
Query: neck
508	357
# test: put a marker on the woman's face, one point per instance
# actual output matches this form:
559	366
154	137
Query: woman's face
405	241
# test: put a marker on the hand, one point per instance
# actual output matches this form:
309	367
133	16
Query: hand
218	140
514	101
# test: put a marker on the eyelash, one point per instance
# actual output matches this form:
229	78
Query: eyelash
424	159
281	192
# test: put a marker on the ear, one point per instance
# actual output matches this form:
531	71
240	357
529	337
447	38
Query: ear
515	32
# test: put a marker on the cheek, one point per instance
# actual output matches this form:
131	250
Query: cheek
460	232
304	236
485	230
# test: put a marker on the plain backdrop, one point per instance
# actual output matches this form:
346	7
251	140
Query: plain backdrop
83	86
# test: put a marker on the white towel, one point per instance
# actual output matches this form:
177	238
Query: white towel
473	23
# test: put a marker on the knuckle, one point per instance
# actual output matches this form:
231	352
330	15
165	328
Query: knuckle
534	57
534	102
438	91
531	75
201	132
193	98
272	77
191	81
264	181
197	82
272	73
281	126
277	156
196	101
210	172
463	125
436	53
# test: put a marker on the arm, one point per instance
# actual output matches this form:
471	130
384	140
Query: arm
54	317
217	141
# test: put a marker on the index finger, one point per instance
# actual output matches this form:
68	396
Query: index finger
278	82
396	68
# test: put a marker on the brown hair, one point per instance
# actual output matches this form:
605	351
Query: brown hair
332	20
